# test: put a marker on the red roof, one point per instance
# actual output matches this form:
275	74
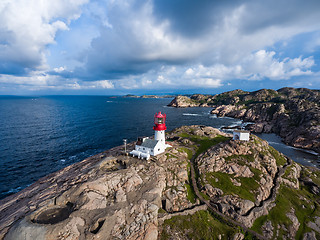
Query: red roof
160	115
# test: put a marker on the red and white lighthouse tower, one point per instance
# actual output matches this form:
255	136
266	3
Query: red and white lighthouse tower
160	127
147	147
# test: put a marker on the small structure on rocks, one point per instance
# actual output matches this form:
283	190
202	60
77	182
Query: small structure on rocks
146	147
242	135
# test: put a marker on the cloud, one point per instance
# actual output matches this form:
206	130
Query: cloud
154	44
147	35
28	27
263	64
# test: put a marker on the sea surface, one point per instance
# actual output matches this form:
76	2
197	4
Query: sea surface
40	135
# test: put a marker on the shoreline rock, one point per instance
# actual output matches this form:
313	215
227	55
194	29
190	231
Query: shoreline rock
114	196
292	113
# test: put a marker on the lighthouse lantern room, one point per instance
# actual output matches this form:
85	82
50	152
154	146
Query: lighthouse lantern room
146	147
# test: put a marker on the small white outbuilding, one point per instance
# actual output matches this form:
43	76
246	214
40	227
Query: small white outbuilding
241	135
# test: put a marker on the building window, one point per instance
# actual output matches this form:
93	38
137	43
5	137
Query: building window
143	148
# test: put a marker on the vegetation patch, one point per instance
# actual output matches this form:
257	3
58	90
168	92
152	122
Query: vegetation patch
245	191
287	174
191	195
161	210
201	225
205	143
302	201
313	174
186	150
281	160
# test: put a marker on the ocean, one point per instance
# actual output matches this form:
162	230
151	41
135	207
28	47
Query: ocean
40	135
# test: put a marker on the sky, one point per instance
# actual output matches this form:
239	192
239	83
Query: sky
111	47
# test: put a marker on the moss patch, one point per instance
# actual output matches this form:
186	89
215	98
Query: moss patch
281	160
205	143
302	201
245	191
191	195
186	150
201	225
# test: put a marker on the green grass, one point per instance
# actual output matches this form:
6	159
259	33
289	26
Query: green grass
279	158
186	150
201	225
245	191
191	195
161	210
258	223
313	174
205	143
291	198
287	174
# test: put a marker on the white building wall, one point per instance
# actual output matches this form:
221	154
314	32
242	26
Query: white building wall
243	136
159	148
160	136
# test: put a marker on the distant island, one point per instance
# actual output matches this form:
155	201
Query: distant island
206	186
292	113
148	96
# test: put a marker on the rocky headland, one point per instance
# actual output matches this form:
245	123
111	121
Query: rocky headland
206	186
292	113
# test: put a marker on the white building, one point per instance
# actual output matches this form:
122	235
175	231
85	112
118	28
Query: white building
146	147
241	135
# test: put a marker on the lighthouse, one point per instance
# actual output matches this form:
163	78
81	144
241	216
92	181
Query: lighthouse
146	147
160	127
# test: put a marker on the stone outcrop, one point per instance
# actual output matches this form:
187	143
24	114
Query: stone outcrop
121	204
239	160
114	196
196	100
294	114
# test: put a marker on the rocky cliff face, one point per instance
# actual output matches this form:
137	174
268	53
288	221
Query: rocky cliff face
113	196
294	114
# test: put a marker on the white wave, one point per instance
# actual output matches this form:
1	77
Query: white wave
109	101
14	190
213	116
72	157
62	160
227	117
191	114
276	143
306	151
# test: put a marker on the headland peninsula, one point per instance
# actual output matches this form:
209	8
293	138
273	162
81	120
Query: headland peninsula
292	113
206	186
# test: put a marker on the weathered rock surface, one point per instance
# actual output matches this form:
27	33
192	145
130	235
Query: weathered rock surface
294	114
113	196
108	205
196	100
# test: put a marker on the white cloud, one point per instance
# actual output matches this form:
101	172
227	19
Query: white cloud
28	27
263	64
152	44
